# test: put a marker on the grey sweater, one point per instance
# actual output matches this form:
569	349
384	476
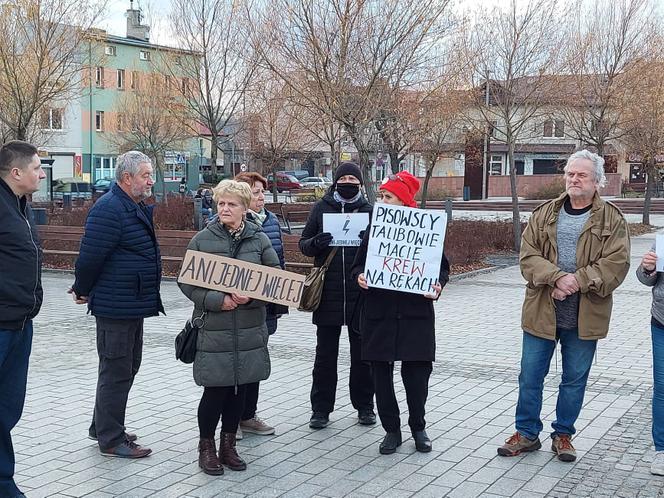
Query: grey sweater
569	229
655	281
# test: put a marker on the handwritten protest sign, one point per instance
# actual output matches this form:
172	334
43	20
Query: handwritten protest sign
247	279
345	227
405	248
659	249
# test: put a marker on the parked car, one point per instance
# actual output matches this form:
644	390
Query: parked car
299	174
102	185
72	186
315	181
284	182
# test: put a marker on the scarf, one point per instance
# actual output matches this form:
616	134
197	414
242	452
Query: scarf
259	217
343	201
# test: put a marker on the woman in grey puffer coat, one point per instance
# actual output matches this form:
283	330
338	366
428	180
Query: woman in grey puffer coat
231	350
647	274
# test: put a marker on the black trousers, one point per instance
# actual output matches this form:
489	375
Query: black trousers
222	402
250	401
415	376
120	350
324	385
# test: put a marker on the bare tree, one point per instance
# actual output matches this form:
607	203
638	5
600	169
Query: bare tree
153	120
352	54
40	57
274	126
643	112
441	134
606	40
513	52
216	30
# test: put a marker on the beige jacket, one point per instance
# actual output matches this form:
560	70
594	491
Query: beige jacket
602	259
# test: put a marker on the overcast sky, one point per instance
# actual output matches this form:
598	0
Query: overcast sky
156	12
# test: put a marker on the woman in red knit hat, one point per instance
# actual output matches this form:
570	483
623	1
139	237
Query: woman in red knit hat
399	326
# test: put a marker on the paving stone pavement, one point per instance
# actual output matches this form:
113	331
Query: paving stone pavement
471	405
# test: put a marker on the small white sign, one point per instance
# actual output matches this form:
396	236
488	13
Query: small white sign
405	248
345	227
659	249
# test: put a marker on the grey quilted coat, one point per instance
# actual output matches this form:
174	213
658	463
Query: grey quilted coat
232	345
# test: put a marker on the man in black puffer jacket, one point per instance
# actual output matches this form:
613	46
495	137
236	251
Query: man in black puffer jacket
118	274
340	294
20	291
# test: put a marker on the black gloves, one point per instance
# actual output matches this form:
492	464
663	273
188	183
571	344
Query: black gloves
322	240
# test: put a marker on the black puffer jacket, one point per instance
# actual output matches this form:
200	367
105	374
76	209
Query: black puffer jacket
340	291
20	262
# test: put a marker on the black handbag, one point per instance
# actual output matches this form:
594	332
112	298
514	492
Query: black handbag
185	342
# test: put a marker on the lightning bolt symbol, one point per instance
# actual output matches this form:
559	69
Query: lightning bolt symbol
345	228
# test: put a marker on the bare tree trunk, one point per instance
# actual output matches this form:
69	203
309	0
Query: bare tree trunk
394	161
334	155
214	150
516	218
425	185
369	186
273	171
650	185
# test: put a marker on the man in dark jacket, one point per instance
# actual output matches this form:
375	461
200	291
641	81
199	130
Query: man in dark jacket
20	291
118	273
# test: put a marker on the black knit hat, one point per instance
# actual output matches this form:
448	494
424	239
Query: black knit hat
348	168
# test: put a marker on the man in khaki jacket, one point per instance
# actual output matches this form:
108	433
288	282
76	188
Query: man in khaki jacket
574	254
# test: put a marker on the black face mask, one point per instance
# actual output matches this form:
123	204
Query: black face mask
348	190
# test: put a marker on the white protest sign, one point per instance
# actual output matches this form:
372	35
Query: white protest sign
210	271
659	249
345	227
405	248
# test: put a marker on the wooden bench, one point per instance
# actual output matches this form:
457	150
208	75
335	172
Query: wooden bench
66	240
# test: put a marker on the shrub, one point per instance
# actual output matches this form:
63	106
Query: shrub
469	241
436	194
549	191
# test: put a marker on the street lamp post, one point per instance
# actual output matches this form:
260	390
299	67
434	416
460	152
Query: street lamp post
485	158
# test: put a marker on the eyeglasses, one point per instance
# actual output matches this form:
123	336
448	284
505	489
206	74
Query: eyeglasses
392	178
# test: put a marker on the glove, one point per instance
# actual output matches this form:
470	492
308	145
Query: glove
322	240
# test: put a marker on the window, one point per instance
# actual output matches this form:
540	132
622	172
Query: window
109	50
548	128
554	128
493	127
121	79
121	122
99	121
134	80
174	166
167	80
496	165
99	77
185	86
104	167
51	119
144	55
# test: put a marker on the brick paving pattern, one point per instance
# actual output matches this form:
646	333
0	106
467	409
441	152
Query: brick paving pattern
471	405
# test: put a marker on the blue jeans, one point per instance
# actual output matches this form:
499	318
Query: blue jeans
15	346
536	356
658	387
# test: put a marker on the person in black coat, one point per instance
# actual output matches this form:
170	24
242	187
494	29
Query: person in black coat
21	291
399	326
340	294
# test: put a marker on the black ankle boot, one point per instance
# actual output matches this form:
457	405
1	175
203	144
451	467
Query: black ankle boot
390	443
422	441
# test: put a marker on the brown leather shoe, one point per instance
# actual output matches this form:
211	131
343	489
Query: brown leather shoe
227	453
127	449
207	458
